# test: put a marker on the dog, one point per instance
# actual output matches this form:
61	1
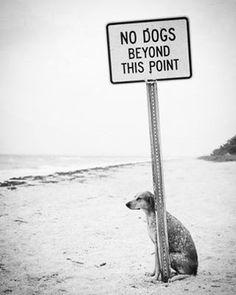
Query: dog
182	251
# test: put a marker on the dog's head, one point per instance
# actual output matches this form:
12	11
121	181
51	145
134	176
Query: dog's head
143	201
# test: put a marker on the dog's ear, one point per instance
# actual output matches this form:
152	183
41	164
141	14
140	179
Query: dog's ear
152	202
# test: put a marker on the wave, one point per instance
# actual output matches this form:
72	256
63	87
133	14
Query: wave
79	175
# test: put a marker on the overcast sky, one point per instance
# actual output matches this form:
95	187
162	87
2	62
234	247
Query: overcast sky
55	93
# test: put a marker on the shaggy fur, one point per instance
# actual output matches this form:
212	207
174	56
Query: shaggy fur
183	254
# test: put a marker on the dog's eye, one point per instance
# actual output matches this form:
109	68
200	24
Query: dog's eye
138	199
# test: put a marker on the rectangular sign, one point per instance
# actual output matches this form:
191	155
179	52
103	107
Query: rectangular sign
149	50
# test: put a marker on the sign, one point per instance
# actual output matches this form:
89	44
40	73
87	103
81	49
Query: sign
149	50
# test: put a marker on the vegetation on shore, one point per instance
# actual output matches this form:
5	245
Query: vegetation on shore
226	152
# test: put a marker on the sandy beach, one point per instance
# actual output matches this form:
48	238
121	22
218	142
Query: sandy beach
74	235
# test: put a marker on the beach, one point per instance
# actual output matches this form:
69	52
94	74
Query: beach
71	233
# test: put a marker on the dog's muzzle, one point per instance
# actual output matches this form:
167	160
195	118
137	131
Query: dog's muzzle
132	205
128	205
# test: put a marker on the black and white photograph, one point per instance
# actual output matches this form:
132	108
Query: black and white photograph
117	147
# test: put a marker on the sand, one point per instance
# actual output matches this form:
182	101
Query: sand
77	236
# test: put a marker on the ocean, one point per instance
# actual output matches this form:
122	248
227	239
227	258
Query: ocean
26	166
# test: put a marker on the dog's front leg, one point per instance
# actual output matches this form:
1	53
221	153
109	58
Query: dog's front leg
152	274
156	271
157	264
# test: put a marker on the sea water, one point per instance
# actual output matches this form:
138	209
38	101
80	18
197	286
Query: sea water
14	166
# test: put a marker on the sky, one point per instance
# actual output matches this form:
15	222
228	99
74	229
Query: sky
55	92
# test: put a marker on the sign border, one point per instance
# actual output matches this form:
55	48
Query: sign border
146	21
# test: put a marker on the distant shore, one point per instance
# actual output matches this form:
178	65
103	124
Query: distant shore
219	158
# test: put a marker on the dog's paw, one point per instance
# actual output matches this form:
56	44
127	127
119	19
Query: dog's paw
150	274
173	273
154	277
178	277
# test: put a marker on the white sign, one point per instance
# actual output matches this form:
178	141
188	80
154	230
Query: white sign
149	50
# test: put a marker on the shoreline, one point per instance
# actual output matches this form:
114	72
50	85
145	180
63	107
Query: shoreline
79	174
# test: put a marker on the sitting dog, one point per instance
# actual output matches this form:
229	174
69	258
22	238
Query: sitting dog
183	254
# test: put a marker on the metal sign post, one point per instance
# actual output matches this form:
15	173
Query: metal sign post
158	187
